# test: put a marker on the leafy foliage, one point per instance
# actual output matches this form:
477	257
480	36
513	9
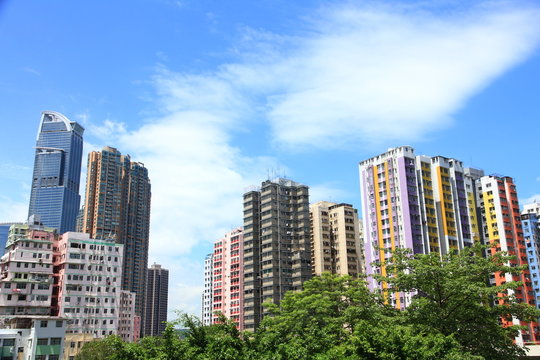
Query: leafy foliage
337	317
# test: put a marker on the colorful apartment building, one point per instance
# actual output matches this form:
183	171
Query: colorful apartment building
336	245
228	278
502	226
435	205
88	276
426	204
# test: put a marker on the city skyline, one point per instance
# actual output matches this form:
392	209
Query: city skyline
213	98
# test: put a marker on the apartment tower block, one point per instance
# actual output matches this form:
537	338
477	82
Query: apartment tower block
335	239
117	206
277	251
228	278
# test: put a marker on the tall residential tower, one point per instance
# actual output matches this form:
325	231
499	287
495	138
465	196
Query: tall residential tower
157	295
57	172
335	239
277	251
117	206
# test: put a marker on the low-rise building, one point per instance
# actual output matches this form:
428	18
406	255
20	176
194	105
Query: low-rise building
31	337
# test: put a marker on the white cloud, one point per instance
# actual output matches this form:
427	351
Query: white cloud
363	74
13	210
531	199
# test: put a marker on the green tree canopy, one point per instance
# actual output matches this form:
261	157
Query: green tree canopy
453	316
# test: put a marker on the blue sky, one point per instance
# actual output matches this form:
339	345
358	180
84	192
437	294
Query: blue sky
214	96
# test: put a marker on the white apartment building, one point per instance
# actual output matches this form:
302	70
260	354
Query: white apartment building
88	276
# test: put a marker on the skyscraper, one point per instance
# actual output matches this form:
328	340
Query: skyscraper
277	252
157	294
57	172
117	205
335	239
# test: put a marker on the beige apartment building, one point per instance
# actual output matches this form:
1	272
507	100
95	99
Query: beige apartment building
336	242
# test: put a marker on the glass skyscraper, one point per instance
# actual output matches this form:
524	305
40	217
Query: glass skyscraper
57	172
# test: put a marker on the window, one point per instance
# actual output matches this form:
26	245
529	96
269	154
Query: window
59	323
43	323
54	357
43	341
56	341
9	342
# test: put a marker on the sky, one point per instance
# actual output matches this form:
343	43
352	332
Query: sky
217	96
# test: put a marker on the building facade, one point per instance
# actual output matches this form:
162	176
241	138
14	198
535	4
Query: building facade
126	317
32	337
531	234
88	275
502	226
117	206
426	204
277	251
336	246
57	172
157	295
208	292
26	271
228	278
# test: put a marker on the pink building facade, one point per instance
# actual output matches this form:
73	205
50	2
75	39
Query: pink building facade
228	275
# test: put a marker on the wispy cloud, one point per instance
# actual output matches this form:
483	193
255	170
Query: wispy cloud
363	74
31	71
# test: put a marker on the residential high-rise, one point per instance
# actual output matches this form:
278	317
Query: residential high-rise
157	294
277	251
531	233
502	227
426	204
88	274
126	317
208	292
117	205
435	205
335	239
57	172
228	278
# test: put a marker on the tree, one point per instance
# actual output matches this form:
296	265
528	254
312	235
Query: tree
337	317
454	298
